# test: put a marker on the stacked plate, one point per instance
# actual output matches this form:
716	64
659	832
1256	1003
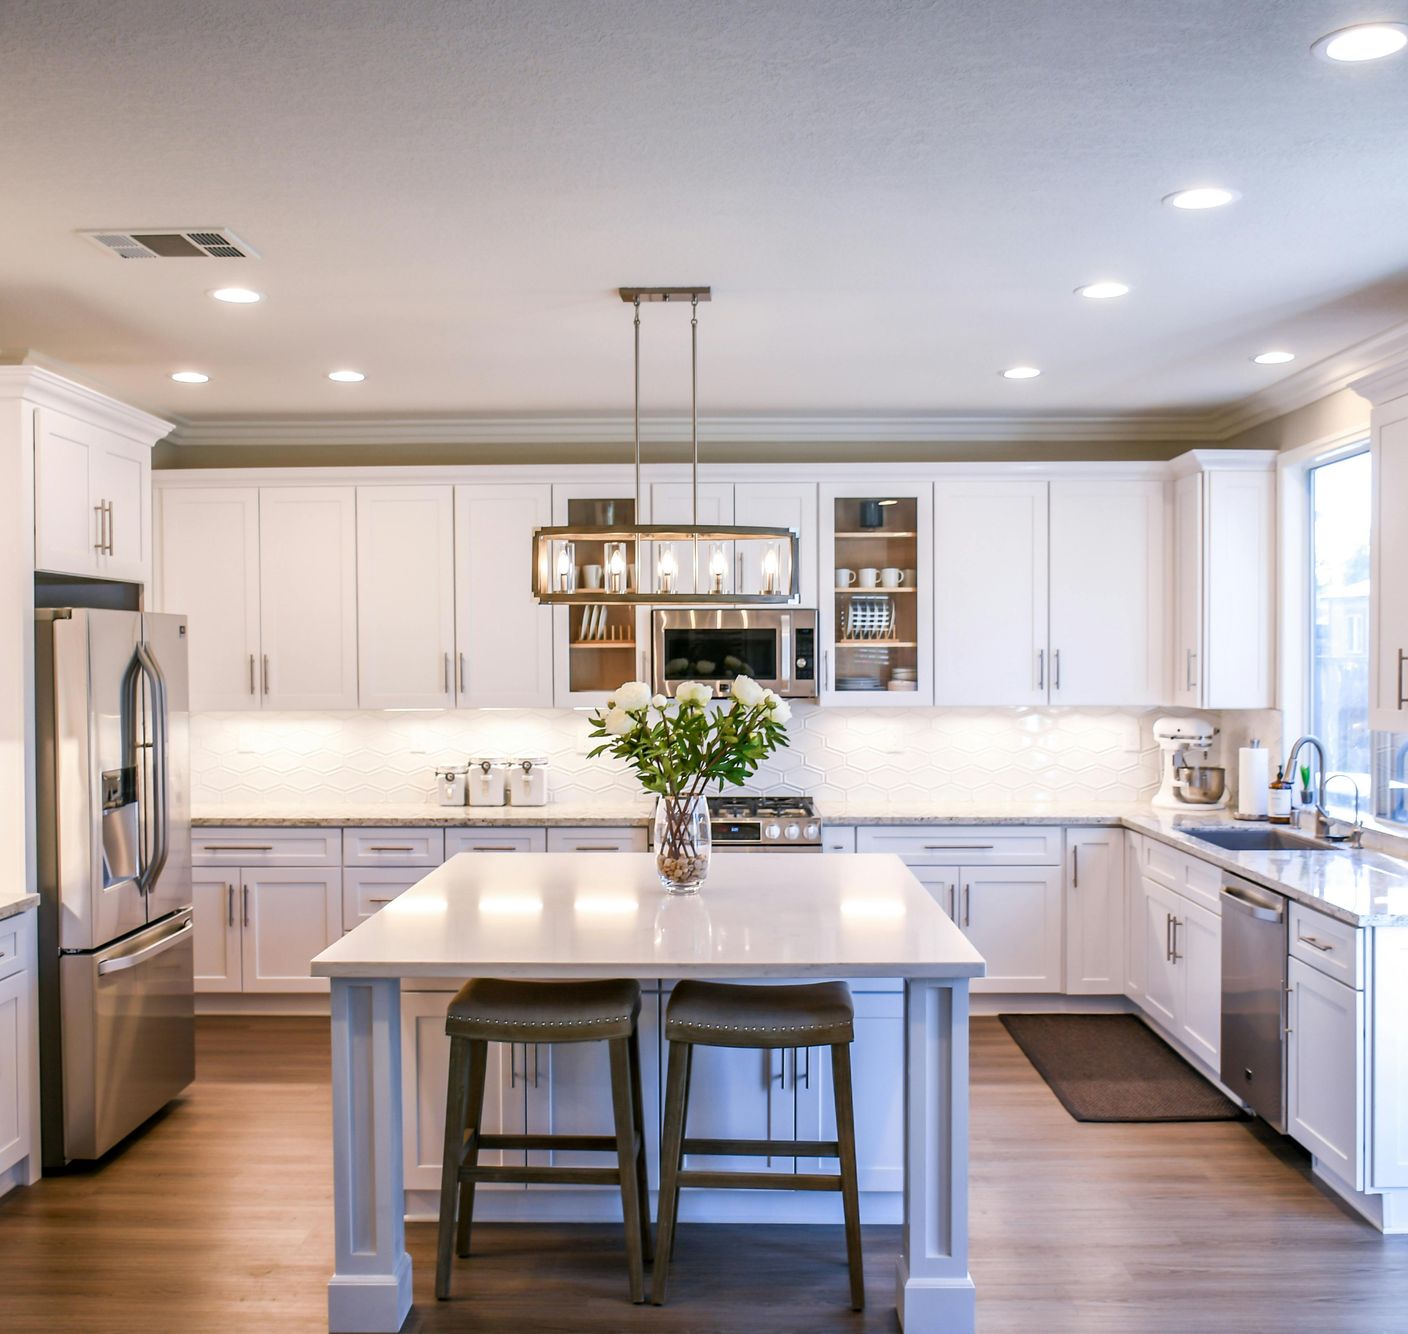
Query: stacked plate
870	618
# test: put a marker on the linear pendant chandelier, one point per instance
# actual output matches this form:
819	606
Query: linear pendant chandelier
704	565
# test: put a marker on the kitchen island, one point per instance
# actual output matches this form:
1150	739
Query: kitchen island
560	915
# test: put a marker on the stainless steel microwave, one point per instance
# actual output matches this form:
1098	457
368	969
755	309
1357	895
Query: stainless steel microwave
776	646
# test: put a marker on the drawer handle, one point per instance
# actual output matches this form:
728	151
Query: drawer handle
237	847
376	848
1315	944
596	847
493	847
382	900
958	847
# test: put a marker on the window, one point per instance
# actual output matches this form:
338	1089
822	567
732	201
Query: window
1340	507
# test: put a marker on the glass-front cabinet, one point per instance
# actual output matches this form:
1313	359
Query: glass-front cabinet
877	599
598	645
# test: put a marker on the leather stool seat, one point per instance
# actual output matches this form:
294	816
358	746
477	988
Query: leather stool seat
490	1009
717	1014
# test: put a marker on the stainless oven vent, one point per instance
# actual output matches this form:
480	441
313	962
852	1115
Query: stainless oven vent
171	243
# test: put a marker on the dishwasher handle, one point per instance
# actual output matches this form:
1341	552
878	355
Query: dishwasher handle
1264	906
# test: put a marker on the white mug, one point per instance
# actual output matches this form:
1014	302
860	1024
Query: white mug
891	577
591	576
845	578
869	577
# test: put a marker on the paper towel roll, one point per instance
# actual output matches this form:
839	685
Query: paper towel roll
1253	778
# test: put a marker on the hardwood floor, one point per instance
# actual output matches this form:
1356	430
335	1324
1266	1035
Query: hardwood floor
217	1218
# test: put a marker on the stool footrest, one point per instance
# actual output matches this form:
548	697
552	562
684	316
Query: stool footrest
544	1176
760	1180
575	1143
764	1148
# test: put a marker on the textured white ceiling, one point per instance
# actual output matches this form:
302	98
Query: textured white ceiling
892	199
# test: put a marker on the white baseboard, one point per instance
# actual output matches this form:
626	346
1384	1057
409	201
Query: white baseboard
236	1002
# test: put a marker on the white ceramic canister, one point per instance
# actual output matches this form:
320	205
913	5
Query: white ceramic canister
528	781
486	781
450	785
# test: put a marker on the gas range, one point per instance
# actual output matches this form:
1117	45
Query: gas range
740	823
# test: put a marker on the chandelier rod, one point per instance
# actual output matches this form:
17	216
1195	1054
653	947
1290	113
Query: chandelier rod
637	409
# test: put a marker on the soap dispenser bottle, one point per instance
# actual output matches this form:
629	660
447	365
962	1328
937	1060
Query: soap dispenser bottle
1278	802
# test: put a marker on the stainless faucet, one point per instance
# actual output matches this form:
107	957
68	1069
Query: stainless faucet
1322	821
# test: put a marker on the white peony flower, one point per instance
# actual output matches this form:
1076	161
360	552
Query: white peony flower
780	710
632	696
747	692
693	694
660	702
618	722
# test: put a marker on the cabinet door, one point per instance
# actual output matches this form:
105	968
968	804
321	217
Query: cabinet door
1188	666
1136	944
1388	586
405	597
121	478
1012	914
990	593
740	1094
68	529
366	890
503	638
1324	1070
1095	933
1197	953
308	597
208	570
673	502
1108	599
217	905
1162	980
288	916
779	505
425	1074
1239	583
16	1039
942	883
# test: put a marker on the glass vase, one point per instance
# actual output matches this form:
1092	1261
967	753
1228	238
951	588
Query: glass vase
682	843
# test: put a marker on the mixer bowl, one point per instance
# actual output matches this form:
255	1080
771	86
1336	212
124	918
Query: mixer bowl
1201	784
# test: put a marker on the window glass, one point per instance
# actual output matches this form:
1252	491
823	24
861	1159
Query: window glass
1339	651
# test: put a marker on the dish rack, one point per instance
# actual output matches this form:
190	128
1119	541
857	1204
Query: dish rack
869	618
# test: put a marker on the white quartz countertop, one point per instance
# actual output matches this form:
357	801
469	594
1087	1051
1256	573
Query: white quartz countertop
391	815
14	902
561	915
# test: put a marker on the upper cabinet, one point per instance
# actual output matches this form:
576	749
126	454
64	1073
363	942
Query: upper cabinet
1388	578
1108	592
92	498
876	610
1224	599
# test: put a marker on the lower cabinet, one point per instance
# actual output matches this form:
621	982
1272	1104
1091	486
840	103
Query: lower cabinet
368	889
1136	948
1324	1058
16	1045
1183	969
1095	931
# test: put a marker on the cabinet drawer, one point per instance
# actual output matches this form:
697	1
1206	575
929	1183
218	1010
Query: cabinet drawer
967	845
10	961
1329	946
509	839
1174	869
266	847
596	840
368	889
393	847
838	838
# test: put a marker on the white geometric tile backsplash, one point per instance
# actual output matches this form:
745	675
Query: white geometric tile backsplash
836	754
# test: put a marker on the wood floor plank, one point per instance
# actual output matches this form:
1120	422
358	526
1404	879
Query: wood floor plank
218	1218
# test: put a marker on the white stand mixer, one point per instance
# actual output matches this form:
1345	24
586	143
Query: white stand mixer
1183	785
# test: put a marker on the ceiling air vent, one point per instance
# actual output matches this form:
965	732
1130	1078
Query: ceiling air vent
173	243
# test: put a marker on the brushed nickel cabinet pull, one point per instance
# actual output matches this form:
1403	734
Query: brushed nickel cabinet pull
246	905
1176	956
461	673
381	900
386	847
1075	868
1290	992
958	847
1041	669
112	528
1315	944
1189	683
1056	670
967	905
446	674
237	847
1402	698
266	673
252	689
101	545
493	847
229	905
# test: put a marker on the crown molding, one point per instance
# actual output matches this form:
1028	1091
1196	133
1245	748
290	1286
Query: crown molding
46	389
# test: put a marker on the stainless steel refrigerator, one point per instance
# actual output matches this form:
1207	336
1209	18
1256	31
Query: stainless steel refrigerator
116	999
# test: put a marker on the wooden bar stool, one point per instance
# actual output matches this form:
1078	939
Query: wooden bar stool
712	1014
488	1010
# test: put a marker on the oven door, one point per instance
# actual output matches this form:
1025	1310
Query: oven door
774	647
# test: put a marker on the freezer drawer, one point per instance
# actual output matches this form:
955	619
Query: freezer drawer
128	1018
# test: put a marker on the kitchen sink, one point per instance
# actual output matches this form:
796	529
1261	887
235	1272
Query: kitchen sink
1258	840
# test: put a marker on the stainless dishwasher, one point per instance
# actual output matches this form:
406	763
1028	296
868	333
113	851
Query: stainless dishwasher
1254	998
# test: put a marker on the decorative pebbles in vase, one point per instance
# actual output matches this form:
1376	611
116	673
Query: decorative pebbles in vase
677	747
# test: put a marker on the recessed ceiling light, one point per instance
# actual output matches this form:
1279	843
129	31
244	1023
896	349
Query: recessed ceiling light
189	377
237	296
1104	290
1364	41
1201	196
1021	373
1273	358
346	377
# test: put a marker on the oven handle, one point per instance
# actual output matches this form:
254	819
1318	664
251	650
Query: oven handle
784	654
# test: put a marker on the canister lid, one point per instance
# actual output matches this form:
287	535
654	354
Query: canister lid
487	762
530	761
451	770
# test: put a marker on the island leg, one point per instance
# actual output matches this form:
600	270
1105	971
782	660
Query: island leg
935	1288
370	1290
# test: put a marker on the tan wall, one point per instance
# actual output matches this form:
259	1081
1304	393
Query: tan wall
1327	418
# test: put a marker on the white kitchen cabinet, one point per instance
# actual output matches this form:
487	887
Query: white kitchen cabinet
1224	567
1324	1068
875	638
503	638
1095	900
1161	977
1388	1071
308	597
490	838
779	505
1136	944
838	838
942	883
287	916
1012	914
990	593
1388	583
1108	592
207	568
216	913
563	838
366	890
16	1068
1183	970
92	499
738	1093
405	591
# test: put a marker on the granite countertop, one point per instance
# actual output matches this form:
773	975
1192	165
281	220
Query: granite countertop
393	815
14	902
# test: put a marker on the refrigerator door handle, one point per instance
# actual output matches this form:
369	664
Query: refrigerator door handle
159	753
126	961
